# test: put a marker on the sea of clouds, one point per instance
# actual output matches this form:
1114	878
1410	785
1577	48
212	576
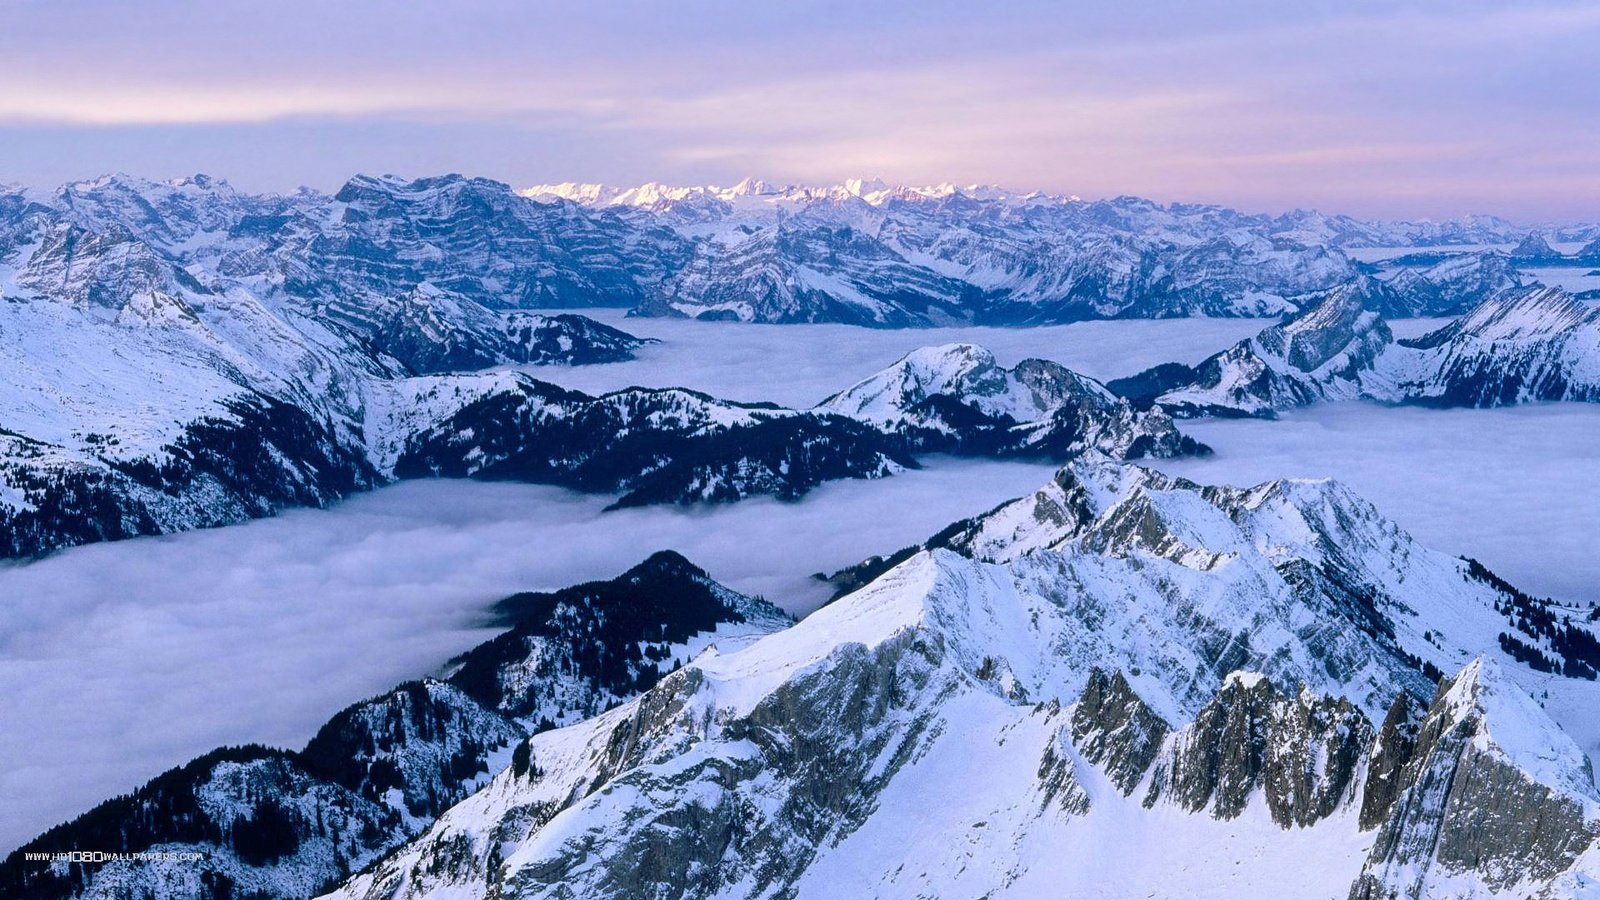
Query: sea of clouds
800	366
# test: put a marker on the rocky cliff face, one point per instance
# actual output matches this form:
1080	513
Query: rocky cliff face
1301	755
1495	799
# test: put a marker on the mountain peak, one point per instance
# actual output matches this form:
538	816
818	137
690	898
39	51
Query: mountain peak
1534	247
1511	722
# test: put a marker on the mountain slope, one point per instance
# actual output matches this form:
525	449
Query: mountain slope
1536	345
1078	677
1327	352
650	445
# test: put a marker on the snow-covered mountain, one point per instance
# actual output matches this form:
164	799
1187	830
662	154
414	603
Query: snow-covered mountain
185	354
1535	250
261	822
754	198
1535	345
1122	684
1448	284
1125	685
956	398
1121	677
1323	353
680	446
169	365
650	445
1522	345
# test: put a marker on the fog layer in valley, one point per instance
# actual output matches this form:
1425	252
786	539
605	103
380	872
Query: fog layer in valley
801	365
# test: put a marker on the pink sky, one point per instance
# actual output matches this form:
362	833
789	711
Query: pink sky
1379	109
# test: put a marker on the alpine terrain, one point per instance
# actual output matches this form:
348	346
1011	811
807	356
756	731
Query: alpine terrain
1123	685
1521	345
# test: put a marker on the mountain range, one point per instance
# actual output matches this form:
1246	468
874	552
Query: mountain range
1522	345
1123	684
184	354
892	256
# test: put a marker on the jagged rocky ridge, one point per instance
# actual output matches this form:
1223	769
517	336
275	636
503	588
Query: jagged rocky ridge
680	446
273	823
1520	346
1124	684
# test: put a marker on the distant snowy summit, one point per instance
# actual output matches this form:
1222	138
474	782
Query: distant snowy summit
870	253
753	194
